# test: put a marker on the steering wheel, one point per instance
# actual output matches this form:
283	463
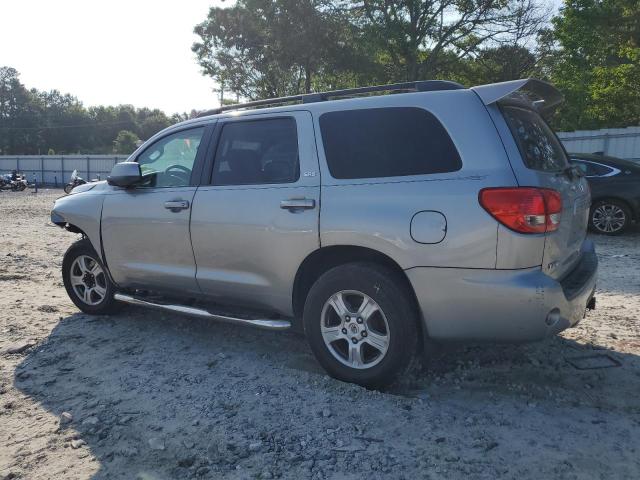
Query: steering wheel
182	173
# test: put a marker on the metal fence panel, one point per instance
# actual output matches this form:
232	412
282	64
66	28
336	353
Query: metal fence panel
617	142
57	169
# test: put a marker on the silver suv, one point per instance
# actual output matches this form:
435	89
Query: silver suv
369	221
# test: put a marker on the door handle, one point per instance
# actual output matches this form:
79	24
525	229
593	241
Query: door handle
176	205
293	204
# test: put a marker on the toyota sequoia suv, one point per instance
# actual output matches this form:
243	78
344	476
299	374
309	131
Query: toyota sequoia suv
370	218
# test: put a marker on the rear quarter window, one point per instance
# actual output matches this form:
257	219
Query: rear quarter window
386	142
538	145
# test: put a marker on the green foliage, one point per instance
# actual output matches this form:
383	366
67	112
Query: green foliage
272	48
421	37
33	122
125	143
597	63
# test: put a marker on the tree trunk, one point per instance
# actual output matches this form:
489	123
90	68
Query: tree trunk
307	79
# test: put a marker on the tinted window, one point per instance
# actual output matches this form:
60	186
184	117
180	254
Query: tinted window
257	152
538	145
169	161
386	142
591	169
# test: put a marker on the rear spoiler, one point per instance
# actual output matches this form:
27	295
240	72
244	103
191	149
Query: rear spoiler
543	96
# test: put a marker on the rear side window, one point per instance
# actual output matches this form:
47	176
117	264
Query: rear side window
538	145
257	152
386	142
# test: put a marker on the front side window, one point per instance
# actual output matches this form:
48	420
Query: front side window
257	152
386	142
538	145
169	161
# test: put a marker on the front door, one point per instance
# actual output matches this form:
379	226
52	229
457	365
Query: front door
145	230
257	220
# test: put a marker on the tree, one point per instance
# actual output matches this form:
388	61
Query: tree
19	115
272	48
125	143
153	124
421	36
499	64
594	58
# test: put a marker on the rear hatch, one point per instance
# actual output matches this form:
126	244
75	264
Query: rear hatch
544	164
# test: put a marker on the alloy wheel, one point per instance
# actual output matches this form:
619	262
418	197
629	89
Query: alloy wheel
355	329
88	280
609	218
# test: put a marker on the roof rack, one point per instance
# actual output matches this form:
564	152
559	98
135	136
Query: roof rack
420	86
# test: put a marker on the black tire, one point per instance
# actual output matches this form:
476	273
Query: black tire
67	188
107	305
387	289
621	211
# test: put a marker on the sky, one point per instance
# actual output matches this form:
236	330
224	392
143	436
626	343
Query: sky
111	52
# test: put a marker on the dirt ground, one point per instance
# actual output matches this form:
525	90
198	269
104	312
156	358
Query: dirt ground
157	396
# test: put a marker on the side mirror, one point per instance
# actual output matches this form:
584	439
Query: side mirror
125	174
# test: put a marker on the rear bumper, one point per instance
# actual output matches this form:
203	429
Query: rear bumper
503	305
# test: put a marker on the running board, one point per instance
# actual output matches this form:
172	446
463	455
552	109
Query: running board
197	312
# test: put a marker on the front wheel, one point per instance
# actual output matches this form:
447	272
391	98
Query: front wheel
86	280
362	324
67	188
609	217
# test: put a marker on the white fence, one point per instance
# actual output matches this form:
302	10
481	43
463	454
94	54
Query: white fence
617	142
56	169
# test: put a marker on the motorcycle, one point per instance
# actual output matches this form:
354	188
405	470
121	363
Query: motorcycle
5	181
75	181
19	184
13	181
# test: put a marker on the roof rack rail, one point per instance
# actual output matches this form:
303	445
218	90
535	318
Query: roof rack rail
419	86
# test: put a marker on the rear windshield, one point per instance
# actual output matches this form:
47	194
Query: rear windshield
538	145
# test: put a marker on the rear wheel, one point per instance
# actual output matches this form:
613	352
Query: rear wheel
610	217
361	324
67	188
86	280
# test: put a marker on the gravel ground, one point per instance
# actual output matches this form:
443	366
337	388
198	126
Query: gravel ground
156	396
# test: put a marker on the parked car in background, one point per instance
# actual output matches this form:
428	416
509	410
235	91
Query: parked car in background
615	191
370	223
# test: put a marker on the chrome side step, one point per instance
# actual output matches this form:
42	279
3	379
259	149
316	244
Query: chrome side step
197	312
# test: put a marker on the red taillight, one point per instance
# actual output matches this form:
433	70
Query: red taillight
523	209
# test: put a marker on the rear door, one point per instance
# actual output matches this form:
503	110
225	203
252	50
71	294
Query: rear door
255	218
542	162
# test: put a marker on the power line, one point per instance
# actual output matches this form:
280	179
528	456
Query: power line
79	125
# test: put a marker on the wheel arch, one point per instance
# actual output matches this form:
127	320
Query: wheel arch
82	213
326	258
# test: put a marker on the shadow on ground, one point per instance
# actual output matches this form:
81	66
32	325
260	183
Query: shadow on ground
161	396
